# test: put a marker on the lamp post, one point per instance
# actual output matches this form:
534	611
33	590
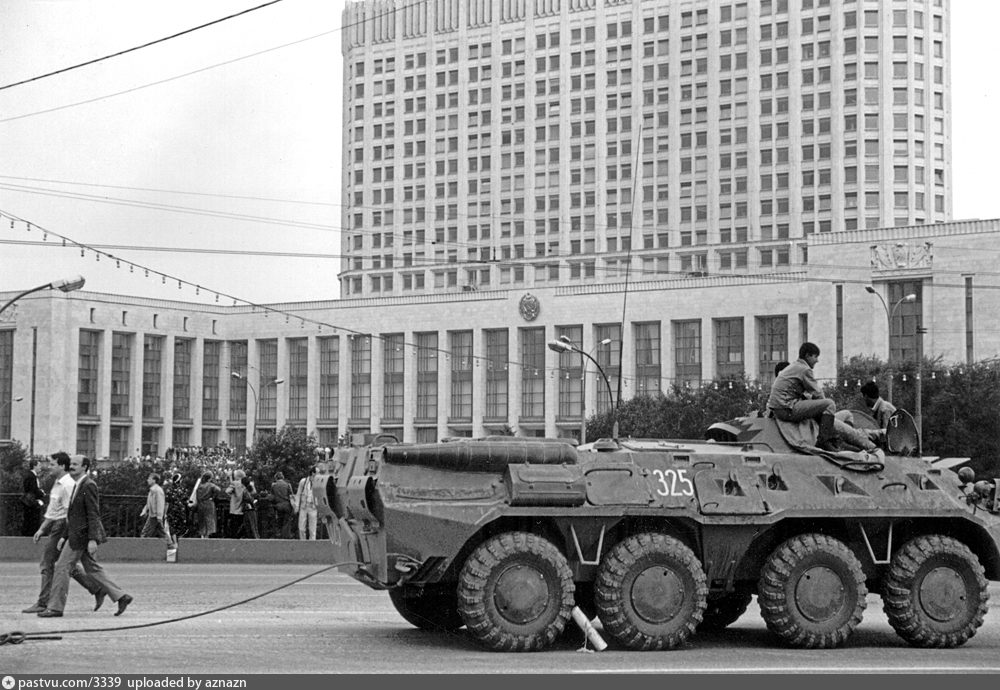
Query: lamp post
565	345
256	401
8	403
63	285
889	313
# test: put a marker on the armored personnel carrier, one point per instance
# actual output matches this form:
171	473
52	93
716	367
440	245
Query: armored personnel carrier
660	539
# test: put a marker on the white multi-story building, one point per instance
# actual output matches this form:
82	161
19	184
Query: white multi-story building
525	143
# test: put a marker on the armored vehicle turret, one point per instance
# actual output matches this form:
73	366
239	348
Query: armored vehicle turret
662	538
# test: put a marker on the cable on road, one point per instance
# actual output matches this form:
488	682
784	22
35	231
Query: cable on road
17	636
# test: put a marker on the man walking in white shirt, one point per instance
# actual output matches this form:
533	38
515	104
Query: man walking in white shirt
54	525
305	503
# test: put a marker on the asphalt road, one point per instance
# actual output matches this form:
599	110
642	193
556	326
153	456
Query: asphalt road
332	624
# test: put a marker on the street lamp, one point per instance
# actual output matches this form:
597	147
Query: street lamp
565	345
256	401
63	285
889	313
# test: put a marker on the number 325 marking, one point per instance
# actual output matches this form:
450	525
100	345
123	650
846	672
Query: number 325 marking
668	481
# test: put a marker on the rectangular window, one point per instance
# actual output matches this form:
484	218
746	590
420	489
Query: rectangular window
533	373
210	381
969	339
6	380
329	378
152	361
728	348
118	447
182	380
427	377
570	376
298	378
772	346
90	356
647	358
121	374
461	375
905	319
497	387
392	378
267	389
609	356
361	379
86	440
238	386
687	353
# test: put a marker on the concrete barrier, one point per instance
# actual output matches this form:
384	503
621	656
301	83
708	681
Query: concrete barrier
117	549
128	549
254	551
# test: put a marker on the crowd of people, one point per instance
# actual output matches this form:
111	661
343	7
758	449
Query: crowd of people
223	500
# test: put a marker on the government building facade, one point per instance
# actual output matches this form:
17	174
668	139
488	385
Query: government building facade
115	376
685	191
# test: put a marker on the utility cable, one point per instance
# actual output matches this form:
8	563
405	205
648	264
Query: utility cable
242	197
140	47
207	68
18	636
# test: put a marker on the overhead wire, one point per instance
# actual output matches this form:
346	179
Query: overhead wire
139	47
242	197
213	66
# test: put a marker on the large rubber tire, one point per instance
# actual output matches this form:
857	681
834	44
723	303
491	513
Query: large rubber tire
431	609
650	592
812	591
515	592
935	593
724	610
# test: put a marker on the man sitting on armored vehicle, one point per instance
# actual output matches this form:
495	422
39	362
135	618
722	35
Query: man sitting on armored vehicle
796	397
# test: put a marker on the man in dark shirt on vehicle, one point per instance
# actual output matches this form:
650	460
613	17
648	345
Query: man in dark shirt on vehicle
797	396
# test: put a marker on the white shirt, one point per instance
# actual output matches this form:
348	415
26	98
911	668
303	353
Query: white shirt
62	490
307	500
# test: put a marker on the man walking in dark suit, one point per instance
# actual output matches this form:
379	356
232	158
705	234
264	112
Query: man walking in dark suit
84	533
32	498
54	525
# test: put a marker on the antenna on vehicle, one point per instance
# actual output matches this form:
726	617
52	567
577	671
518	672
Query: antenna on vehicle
628	271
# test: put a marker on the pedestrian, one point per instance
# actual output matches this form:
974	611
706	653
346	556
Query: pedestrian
235	490
84	532
155	510
281	492
305	504
205	494
32	499
250	508
177	512
54	526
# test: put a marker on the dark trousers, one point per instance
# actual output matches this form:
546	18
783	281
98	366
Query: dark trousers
32	519
48	565
285	520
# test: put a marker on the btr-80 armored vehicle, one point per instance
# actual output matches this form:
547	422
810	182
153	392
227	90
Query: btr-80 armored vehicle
662	538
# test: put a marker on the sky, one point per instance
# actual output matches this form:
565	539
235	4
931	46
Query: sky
227	141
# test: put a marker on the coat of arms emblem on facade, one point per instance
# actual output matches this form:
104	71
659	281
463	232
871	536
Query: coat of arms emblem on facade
529	306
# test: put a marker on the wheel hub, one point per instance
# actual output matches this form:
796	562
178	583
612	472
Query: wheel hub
942	594
521	594
819	594
657	594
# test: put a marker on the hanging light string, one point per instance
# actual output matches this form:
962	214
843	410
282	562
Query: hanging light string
470	360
